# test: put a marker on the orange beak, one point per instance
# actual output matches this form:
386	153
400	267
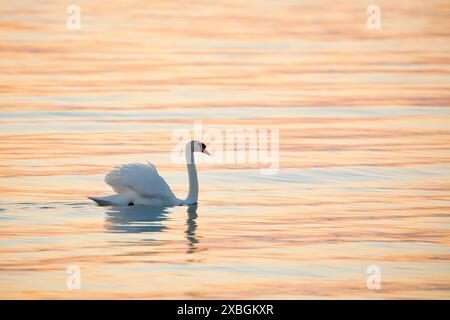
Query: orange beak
206	151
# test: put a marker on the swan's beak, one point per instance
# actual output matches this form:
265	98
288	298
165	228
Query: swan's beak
206	151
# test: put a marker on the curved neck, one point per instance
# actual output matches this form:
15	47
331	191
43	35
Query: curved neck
192	173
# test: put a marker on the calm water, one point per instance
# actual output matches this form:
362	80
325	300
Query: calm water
364	120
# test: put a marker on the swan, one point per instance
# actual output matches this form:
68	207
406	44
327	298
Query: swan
140	183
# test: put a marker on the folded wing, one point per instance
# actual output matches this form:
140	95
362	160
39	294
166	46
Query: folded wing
142	178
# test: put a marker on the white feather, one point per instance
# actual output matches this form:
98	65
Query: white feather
140	178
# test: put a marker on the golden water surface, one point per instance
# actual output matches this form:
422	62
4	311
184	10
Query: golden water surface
364	123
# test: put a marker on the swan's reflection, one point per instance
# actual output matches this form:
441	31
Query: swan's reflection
191	223
143	219
136	219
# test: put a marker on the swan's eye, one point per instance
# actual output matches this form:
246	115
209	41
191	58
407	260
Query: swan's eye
203	147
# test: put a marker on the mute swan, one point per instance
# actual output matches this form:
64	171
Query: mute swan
140	183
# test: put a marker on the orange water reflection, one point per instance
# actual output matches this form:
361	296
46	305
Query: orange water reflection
364	124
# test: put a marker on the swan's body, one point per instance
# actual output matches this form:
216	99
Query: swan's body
140	184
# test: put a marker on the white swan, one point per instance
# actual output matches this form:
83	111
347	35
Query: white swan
140	184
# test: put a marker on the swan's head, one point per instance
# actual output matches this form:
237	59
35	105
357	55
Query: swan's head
198	146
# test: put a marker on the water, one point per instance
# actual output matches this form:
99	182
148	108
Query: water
364	173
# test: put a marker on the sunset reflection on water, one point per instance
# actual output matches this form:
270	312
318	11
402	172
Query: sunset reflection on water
364	122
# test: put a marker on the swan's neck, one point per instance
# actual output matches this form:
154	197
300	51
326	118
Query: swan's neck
192	173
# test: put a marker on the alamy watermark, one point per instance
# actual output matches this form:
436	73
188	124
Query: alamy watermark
374	280
73	281
374	19
74	19
244	145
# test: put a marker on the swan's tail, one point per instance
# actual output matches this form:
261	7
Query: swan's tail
100	201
